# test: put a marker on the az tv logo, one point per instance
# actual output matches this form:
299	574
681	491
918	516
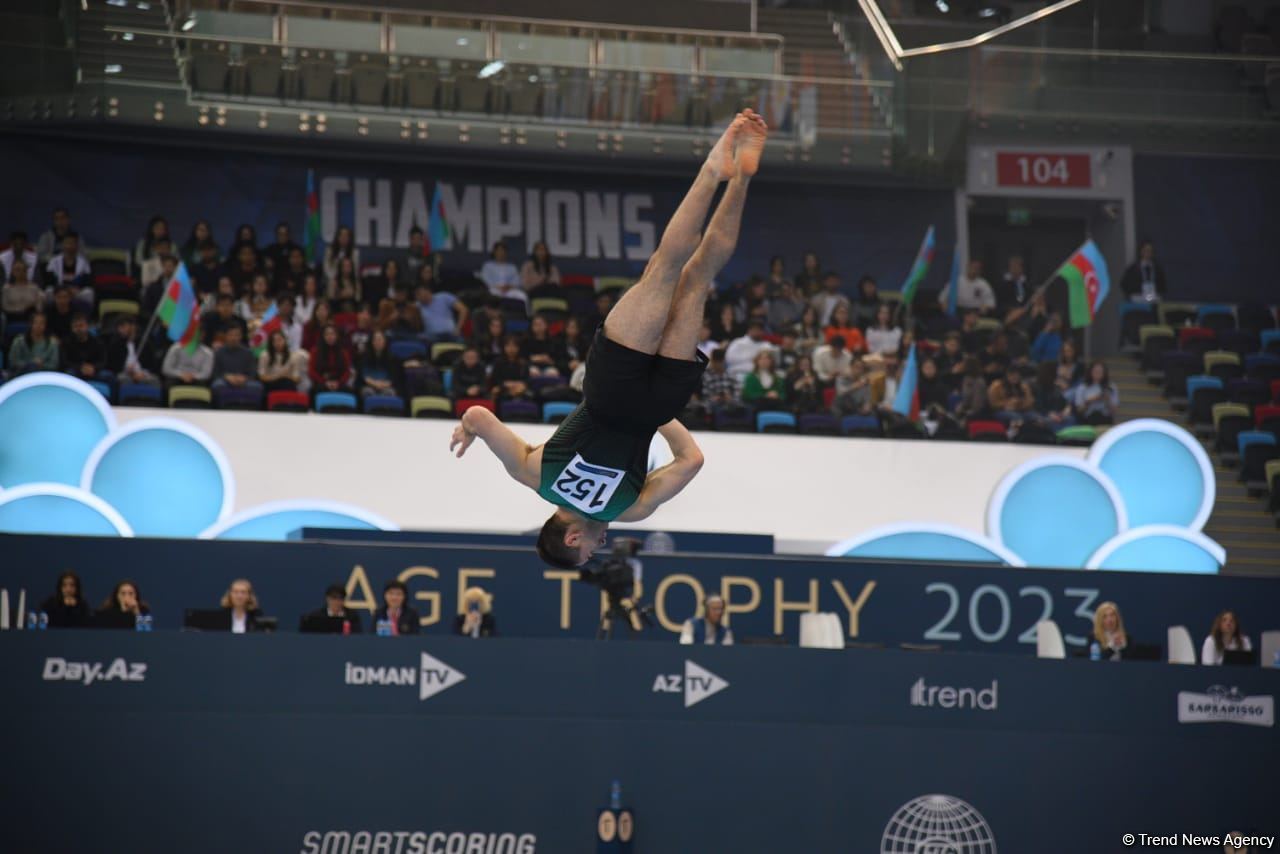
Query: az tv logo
697	683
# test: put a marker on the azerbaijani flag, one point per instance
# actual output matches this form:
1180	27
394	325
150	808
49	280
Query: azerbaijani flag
907	400
311	236
919	269
953	287
262	335
179	311
438	231
1087	283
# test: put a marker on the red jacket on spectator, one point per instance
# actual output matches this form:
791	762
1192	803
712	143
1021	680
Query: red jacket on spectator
330	364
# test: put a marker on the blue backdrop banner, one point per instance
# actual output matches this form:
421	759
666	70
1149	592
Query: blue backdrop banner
972	607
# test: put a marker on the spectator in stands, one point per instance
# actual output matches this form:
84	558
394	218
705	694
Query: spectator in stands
1025	323
1048	344
82	353
145	248
831	360
161	272
1051	404
951	361
277	254
973	390
19	250
741	353
764	388
825	301
206	269
214	324
853	391
569	349
408	322
538	350
995	356
808	280
60	314
192	251
785	308
343	246
308	299
488	338
391	282
476	619
1225	635
866	305
443	314
67	608
376	373
470	379
358	338
1010	397
330	366
291	275
130	360
314	329
1144	280
1070	368
778	277
417	257
595	320
974	292
1013	290
69	268
1097	399
253	305
1109	640
842	326
122	608
719	388
51	241
501	276
234	364
509	379
241	605
242	266
289	324
21	297
281	367
726	327
395	615
884	336
931	386
246	235
539	275
335	609
972	339
182	367
708	629
345	289
804	389
35	349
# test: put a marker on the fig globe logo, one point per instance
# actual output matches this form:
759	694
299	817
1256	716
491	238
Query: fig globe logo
937	824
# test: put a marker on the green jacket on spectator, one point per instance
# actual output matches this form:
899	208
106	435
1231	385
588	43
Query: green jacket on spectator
22	356
753	390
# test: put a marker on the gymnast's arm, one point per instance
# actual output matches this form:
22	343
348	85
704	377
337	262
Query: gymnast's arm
665	483
518	457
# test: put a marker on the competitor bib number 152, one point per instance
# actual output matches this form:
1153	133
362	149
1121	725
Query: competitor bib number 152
586	486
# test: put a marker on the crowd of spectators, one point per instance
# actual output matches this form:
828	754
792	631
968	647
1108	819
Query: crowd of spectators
410	326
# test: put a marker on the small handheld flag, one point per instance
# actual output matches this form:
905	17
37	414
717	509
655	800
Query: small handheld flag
907	400
311	237
262	335
919	269
438	231
179	311
1087	283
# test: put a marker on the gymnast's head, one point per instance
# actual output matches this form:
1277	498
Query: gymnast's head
568	540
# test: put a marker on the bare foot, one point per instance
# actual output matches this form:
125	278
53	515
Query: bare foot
750	143
720	160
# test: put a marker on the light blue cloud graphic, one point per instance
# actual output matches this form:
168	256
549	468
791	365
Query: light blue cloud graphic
165	477
924	541
1163	474
55	508
277	519
49	423
1160	548
1055	512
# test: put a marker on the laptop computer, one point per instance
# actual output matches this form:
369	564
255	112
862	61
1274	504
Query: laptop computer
207	620
1240	657
321	624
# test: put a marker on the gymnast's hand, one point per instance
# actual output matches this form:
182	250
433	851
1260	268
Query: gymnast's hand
462	439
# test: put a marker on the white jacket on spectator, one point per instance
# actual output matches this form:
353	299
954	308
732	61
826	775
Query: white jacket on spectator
828	365
883	340
698	626
1210	654
28	258
58	270
178	362
972	293
740	356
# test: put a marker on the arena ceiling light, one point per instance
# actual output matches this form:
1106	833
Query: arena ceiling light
896	53
190	23
491	69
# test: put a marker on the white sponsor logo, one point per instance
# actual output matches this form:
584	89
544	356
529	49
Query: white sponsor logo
416	842
1220	704
431	676
697	683
937	824
948	697
88	672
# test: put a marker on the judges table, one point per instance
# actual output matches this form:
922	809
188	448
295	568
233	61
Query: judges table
193	742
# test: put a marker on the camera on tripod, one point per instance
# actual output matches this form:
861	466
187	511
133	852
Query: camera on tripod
616	576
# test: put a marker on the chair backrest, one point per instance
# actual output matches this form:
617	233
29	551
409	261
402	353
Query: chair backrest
195	393
401	350
1265	412
613	283
335	400
1154	330
1253	437
554	409
1200	381
775	419
430	403
1220	357
549	304
1269	647
1079	433
1181	650
117	306
1228	410
443	348
1049	642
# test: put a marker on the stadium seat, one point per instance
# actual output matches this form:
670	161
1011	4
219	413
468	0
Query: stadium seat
1154	340
1253	437
368	78
336	402
1032	433
444	353
513	309
1271	470
550	305
1079	435
431	406
1255	316
1177	313
1262	366
1253	463
1229	420
190	397
775	422
1216	316
1197	339
102	388
618	284
109	262
384	404
1223	365
987	431
407	349
1177	366
1248	392
287	401
733	420
1242	342
524	411
463	404
555	411
1133	316
420	83
263	70
570	281
1266	414
229	397
1269	341
209	66
1202	393
867	426
818	424
315	72
110	307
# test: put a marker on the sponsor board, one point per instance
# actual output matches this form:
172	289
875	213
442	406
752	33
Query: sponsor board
937	824
416	842
431	675
951	697
88	672
1220	704
696	683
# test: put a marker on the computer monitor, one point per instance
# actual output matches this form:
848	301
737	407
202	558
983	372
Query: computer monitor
321	624
207	620
1240	657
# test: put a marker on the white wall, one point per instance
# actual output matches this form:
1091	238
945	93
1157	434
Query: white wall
809	492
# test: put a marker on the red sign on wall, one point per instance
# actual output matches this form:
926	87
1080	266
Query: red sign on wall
1042	169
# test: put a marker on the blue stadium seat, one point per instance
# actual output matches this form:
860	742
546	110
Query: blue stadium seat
819	424
1202	381
557	410
519	410
1270	340
1253	437
1216	316
410	349
1134	315
516	326
738	420
138	394
336	402
102	388
229	397
1262	366
384	404
775	422
860	425
446	377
